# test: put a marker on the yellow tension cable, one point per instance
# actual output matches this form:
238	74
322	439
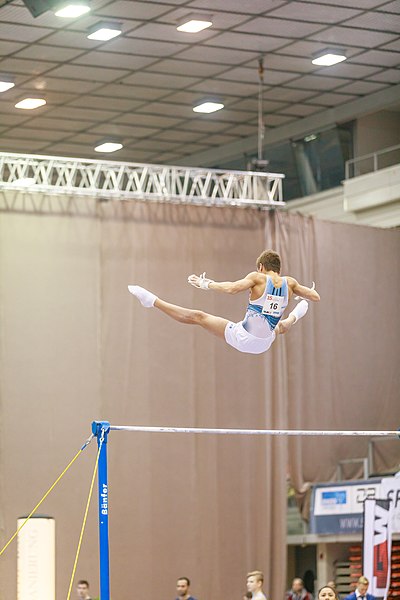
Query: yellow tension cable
42	500
84	523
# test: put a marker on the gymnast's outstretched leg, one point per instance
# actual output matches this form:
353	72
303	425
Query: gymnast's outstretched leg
297	313
188	316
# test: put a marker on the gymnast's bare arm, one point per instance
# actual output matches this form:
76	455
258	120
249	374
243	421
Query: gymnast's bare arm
302	290
229	287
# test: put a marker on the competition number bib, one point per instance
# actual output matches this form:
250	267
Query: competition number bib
273	305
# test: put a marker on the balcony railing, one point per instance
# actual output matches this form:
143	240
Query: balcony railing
372	162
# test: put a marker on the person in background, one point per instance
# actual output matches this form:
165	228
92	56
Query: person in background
183	589
328	592
360	592
298	591
255	582
82	590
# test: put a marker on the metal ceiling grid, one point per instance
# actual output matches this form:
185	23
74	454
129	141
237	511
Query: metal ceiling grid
140	87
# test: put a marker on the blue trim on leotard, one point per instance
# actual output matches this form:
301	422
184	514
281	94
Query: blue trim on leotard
273	291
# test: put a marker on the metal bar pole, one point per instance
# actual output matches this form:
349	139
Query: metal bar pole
295	432
101	430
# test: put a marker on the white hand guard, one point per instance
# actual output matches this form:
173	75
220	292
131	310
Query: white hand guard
200	281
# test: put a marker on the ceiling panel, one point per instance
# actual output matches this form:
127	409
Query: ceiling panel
353	37
382	58
14	144
301	110
363	4
28	67
286	28
331	99
254	7
246	74
286	94
87	73
186	67
130	9
63	125
316	82
227	88
59	85
132	118
122	90
347	69
362	87
393	7
134	46
387	76
245	41
46	52
21	33
114	59
9	47
165	108
367	20
161	80
217	55
101	102
81	114
306	12
123	130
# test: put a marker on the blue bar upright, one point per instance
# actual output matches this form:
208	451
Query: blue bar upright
101	430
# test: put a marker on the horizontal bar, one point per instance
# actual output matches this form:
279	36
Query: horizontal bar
299	432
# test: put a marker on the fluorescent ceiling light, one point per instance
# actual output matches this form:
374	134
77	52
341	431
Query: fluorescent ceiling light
72	10
108	147
6	85
194	23
105	31
208	107
30	103
329	58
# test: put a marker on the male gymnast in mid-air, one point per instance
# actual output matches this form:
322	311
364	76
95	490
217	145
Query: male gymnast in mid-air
269	294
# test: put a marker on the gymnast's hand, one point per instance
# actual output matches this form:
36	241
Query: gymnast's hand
200	281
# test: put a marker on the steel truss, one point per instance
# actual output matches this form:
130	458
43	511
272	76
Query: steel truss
134	181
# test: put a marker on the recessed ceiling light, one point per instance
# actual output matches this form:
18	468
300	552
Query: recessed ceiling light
30	103
194	23
105	31
328	57
108	147
72	10
208	107
6	85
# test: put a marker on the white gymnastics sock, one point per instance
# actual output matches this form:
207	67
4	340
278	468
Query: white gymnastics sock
300	309
145	297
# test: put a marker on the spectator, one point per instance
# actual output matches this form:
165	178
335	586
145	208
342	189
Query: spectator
255	581
298	591
182	589
361	591
328	592
82	590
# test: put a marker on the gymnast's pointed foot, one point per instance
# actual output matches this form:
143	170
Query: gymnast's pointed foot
145	297
297	313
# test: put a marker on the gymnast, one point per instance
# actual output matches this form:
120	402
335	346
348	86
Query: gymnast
269	294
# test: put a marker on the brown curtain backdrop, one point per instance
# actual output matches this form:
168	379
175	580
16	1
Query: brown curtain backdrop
75	346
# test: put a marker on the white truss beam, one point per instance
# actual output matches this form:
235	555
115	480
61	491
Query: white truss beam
134	181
